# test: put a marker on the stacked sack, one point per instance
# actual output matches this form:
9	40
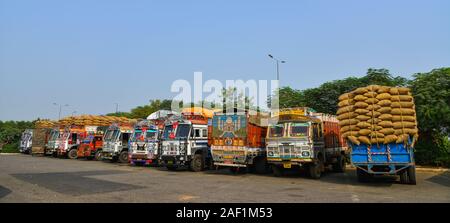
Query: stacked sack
94	120
378	115
45	123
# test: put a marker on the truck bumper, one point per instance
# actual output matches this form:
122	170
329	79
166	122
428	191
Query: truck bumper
383	168
175	161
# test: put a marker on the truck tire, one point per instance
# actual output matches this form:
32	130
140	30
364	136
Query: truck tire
412	175
123	157
196	164
404	177
72	154
260	165
98	155
277	171
339	166
315	170
362	175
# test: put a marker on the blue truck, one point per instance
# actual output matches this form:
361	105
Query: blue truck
384	159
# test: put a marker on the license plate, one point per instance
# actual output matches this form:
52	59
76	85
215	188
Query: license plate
170	162
228	157
139	159
287	165
228	161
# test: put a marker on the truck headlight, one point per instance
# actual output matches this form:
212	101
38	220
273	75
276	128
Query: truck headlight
270	153
306	153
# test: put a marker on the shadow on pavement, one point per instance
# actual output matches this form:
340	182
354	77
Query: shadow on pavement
76	183
441	179
4	191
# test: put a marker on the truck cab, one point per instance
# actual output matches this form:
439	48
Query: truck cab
185	142
115	143
91	147
300	137
144	144
69	141
26	141
52	145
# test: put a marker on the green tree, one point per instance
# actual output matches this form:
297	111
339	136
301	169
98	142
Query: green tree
432	98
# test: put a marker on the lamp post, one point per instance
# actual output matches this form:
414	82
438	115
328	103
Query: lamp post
278	65
60	109
117	107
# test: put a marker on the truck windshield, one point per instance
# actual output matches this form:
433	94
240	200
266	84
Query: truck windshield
299	129
115	135
151	134
183	131
276	130
167	130
108	135
137	135
54	135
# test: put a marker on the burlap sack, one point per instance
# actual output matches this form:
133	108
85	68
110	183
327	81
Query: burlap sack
349	133
370	94
374	120
364	132
403	111
386	124
407	118
361	90
344	109
385	110
377	140
362	117
345	103
375	134
350	128
361	104
390	139
353	139
402	104
401	125
361	111
374	114
346	96
373	107
363	125
359	98
348	115
376	128
371	101
373	87
399	90
384	96
384	103
348	122
385	117
387	131
405	98
402	138
383	89
364	139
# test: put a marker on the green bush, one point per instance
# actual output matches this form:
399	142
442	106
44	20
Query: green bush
11	148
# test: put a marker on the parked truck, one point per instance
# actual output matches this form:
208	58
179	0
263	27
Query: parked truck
26	140
52	145
91	145
69	141
144	144
380	126
185	140
238	140
115	142
40	137
300	137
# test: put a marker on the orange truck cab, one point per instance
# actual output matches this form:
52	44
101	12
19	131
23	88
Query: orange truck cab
300	137
238	140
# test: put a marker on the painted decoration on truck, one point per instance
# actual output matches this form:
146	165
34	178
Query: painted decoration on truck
229	126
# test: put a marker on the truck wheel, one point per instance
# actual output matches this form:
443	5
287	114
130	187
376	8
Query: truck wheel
196	164
98	155
339	166
362	176
260	165
123	157
403	177
315	170
72	154
277	171
412	175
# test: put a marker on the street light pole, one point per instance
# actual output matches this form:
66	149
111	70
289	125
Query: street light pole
278	65
60	109
117	107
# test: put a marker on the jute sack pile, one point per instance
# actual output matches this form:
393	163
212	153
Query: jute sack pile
95	120
377	115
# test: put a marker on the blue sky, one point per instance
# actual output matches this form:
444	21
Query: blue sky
92	54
